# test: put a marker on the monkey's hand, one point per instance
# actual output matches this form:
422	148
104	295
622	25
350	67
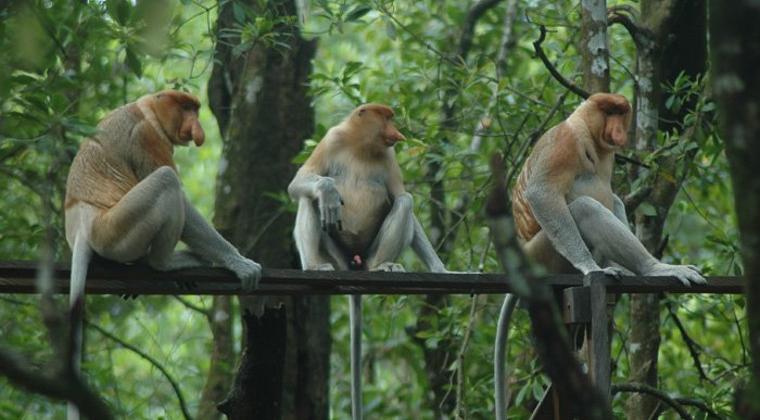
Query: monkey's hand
686	274
329	205
248	271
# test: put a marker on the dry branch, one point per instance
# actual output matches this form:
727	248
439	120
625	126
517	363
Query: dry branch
553	70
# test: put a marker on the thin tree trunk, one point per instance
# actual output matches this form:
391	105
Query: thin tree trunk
594	48
261	102
735	48
660	59
222	359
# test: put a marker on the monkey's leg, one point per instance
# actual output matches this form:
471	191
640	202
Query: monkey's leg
603	232
395	234
314	246
148	220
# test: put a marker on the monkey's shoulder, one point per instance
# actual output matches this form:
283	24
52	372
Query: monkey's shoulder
121	121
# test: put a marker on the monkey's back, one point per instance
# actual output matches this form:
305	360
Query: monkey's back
525	222
98	176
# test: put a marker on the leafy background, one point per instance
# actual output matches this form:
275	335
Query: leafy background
394	52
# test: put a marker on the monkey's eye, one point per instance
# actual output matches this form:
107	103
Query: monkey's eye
188	106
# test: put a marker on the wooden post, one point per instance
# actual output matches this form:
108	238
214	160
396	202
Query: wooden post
598	339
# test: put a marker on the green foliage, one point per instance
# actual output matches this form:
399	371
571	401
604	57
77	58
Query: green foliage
66	64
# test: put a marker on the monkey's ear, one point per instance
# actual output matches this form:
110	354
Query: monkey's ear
362	111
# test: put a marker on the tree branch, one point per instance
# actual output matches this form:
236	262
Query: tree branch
698	404
553	70
61	386
627	16
151	360
625	159
187	304
634	199
468	29
650	390
693	346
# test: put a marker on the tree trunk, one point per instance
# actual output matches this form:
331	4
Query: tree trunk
261	102
594	50
735	47
222	358
660	59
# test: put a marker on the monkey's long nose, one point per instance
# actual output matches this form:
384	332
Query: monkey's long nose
198	135
395	135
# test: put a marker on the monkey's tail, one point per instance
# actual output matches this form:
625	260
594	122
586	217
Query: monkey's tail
80	261
355	321
500	366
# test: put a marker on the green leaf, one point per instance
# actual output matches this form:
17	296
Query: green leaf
119	10
133	62
357	13
238	12
647	209
390	29
351	68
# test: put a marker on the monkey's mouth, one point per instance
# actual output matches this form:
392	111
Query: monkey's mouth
390	142
612	145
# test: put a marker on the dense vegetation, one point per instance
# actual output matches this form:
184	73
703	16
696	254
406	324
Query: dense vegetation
66	64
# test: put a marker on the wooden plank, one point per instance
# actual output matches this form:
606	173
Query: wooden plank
106	277
111	278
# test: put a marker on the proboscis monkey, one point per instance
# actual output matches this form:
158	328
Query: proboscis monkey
124	199
566	215
353	210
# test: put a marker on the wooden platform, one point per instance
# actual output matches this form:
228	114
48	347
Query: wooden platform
111	278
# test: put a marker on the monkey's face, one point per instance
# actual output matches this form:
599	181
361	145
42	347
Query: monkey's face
612	117
377	122
178	114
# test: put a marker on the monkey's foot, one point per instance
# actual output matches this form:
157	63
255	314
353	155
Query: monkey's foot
615	272
322	267
389	266
686	274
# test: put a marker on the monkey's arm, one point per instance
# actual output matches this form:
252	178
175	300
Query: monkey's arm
551	212
545	192
309	183
205	241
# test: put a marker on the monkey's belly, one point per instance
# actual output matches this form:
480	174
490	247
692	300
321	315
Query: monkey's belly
591	186
362	214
